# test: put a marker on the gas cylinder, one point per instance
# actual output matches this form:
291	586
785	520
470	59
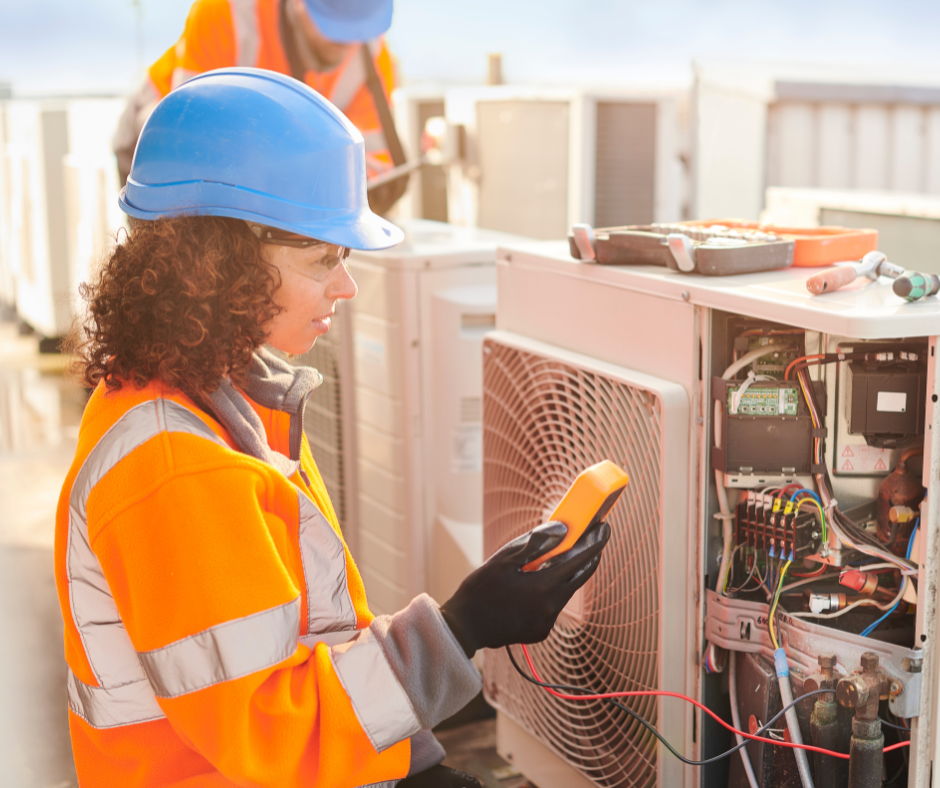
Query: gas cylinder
901	488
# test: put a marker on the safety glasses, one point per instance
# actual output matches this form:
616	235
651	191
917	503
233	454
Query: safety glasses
318	267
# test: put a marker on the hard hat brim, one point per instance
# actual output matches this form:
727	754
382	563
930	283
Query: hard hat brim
362	230
342	29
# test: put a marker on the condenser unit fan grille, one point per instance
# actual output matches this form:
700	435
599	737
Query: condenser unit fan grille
544	422
323	418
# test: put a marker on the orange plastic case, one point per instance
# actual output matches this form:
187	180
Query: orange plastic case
589	500
814	247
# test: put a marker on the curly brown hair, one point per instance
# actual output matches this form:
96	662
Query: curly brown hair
183	300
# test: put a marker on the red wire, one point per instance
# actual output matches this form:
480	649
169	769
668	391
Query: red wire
786	375
709	712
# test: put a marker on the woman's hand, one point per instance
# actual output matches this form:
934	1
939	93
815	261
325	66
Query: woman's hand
499	604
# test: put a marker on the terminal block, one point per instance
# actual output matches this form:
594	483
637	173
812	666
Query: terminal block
777	526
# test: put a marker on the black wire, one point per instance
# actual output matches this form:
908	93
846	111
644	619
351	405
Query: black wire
892	725
648	725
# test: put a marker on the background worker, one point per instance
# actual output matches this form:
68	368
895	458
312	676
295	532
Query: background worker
334	46
217	630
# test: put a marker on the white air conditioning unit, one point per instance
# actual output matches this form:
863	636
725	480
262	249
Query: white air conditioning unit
594	362
426	197
62	202
908	224
536	160
7	280
758	126
397	426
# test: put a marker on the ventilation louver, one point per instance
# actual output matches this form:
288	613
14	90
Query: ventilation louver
545	420
323	417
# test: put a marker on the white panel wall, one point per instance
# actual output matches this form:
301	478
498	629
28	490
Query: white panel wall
833	151
871	147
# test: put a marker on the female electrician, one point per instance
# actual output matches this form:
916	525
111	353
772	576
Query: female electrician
216	627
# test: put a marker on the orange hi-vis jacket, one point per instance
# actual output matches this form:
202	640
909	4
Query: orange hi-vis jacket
225	33
216	627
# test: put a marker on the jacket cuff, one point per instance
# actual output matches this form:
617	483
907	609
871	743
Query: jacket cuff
431	666
426	751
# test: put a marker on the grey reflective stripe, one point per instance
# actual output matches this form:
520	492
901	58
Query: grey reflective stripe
109	708
110	653
380	703
245	22
375	141
224	652
329	638
329	605
350	82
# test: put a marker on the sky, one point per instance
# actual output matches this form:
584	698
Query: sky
61	46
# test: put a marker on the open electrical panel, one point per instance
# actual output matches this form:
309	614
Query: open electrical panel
816	453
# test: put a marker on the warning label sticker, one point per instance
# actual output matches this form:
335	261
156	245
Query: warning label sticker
862	459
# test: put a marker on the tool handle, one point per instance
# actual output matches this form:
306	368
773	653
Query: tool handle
913	285
831	279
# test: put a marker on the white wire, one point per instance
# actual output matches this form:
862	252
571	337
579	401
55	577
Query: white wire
752	356
736	717
866	568
854	605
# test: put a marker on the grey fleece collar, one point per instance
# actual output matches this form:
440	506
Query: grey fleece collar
275	384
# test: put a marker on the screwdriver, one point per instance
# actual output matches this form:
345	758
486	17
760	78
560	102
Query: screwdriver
912	285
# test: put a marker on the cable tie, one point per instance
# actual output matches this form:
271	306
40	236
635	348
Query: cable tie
724	516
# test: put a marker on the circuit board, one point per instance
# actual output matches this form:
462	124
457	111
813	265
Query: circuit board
774	365
760	400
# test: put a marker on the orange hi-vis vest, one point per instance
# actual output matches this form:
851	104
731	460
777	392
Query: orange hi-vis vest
216	626
225	33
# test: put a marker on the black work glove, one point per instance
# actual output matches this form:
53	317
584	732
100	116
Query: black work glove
500	605
440	777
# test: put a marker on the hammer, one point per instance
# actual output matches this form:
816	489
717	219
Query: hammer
872	265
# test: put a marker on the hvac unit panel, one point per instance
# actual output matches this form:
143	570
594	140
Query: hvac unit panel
379	411
523	151
329	419
625	179
908	224
383	485
548	414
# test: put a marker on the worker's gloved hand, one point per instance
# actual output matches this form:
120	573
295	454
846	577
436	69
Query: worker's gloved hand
441	777
500	605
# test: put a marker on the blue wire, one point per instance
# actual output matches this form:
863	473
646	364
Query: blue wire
910	547
804	490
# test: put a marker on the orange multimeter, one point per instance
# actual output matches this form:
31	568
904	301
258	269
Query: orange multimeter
588	500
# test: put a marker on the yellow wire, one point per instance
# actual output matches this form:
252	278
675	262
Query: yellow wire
773	607
822	515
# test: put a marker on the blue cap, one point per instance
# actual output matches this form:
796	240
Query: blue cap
349	21
256	145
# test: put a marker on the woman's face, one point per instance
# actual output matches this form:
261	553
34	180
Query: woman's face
312	281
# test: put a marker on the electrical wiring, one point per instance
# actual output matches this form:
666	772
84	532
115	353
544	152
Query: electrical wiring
560	690
892	725
840	524
871	602
910	547
815	357
814	574
773	607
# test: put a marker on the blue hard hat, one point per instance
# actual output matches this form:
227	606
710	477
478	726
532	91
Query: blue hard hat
348	21
260	146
